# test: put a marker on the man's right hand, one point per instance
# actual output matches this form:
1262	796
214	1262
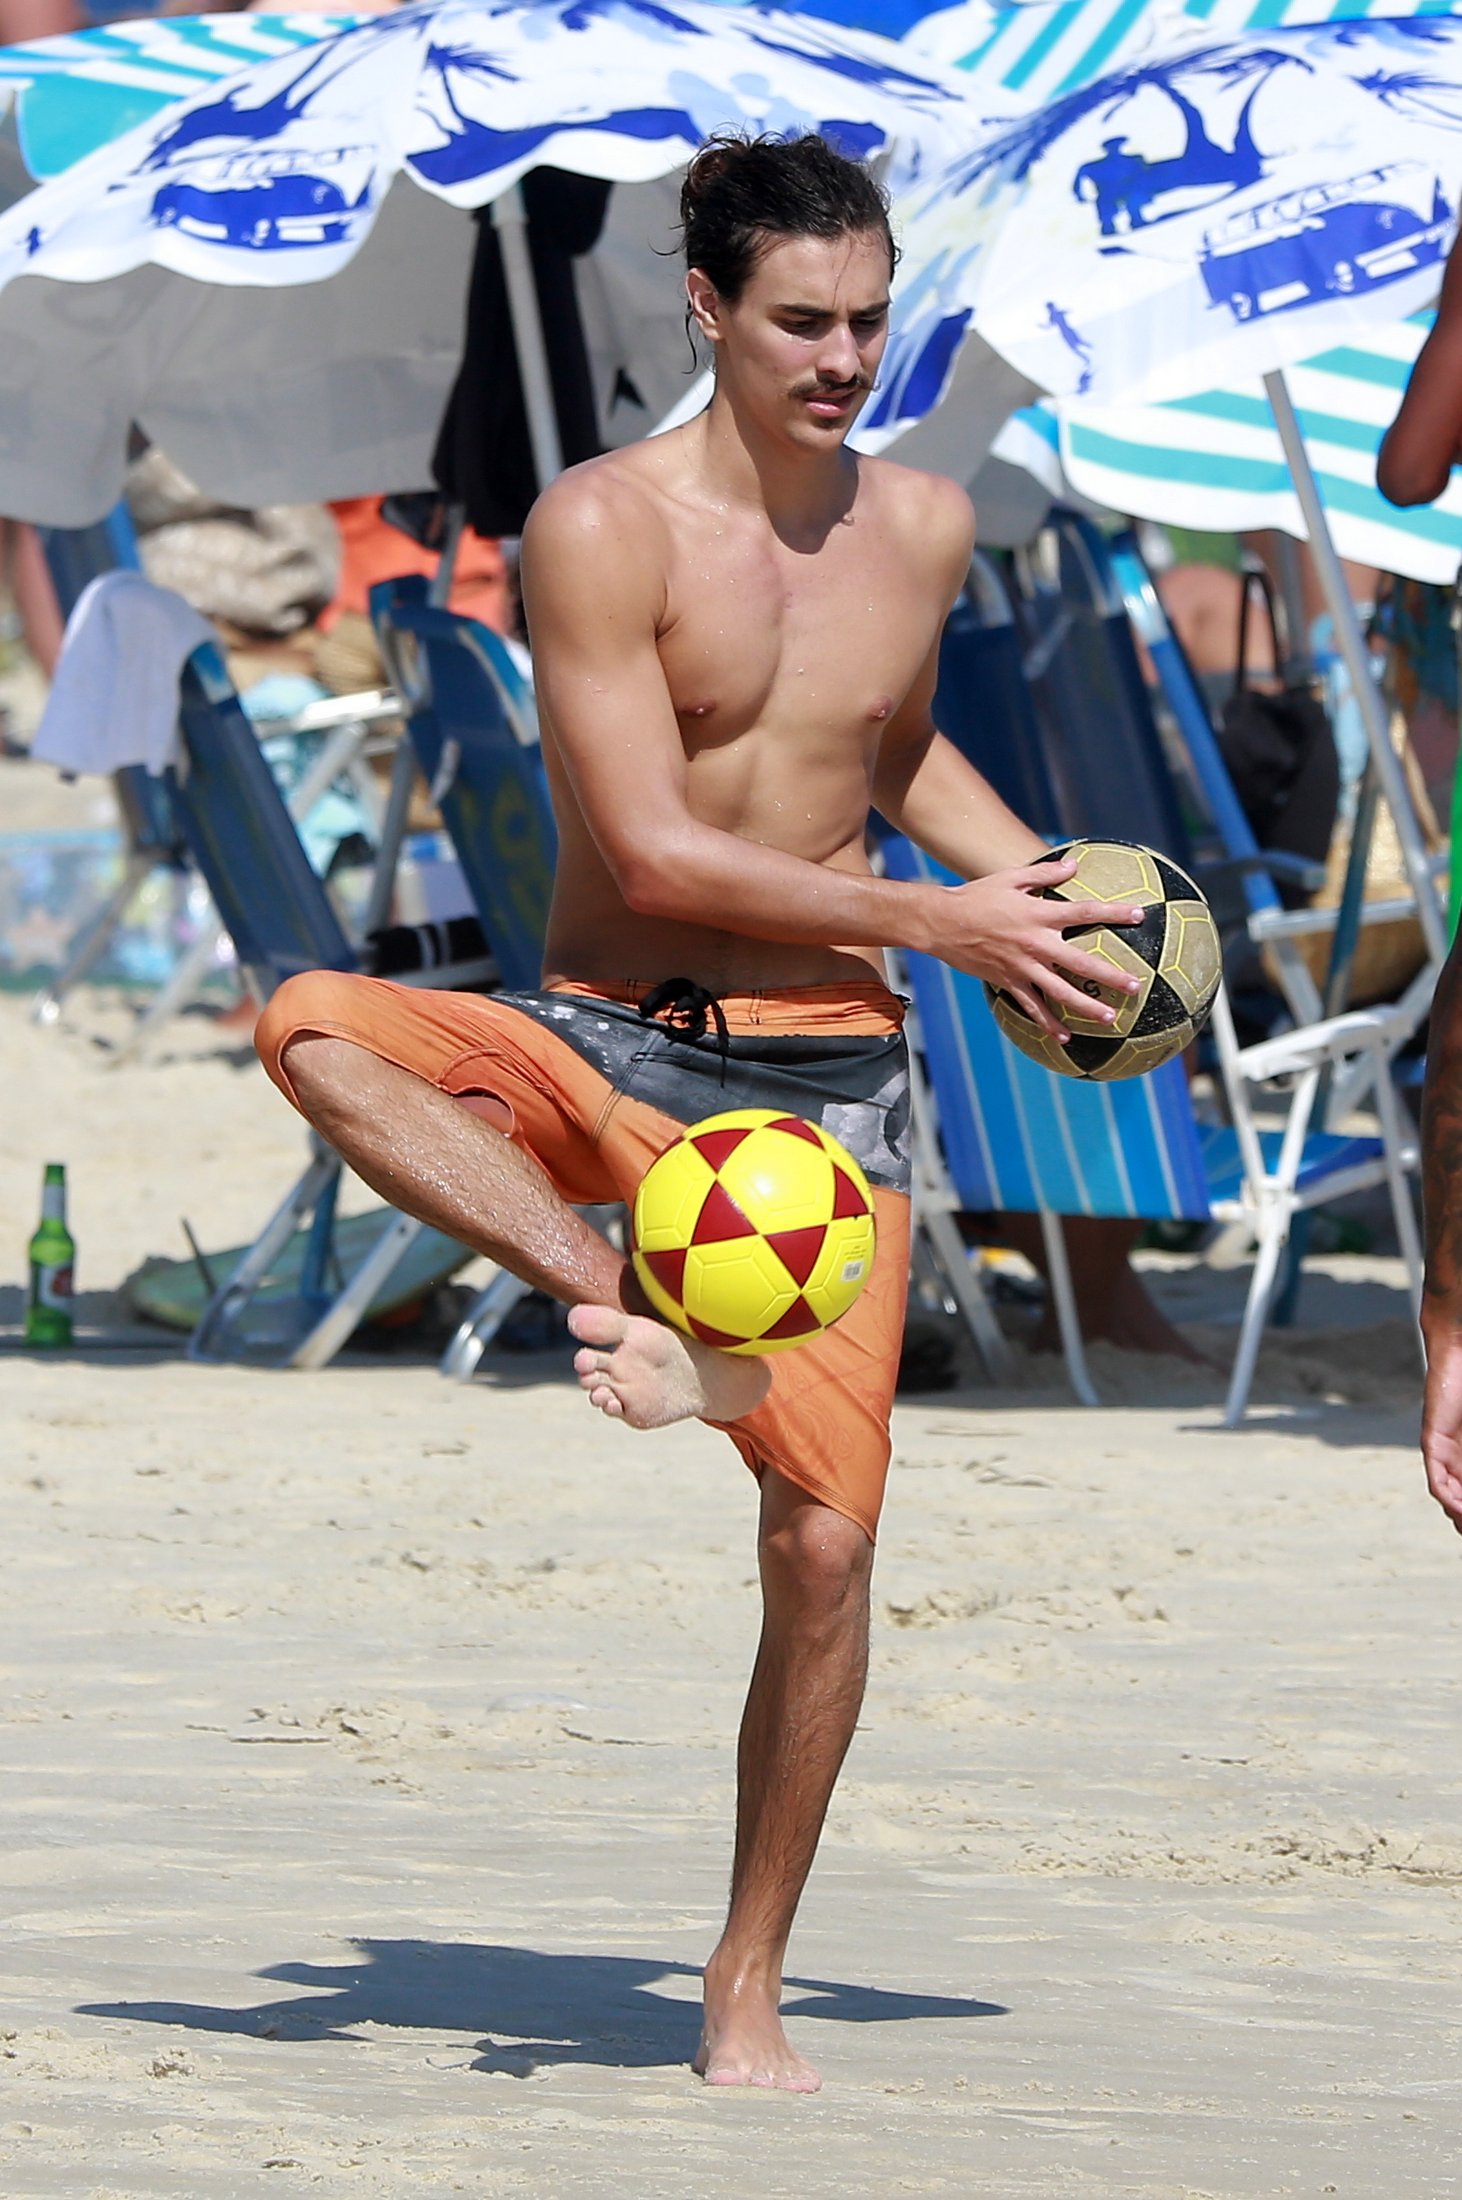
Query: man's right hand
1004	929
1441	1418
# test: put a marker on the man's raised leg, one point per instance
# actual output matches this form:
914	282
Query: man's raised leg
439	1159
806	1689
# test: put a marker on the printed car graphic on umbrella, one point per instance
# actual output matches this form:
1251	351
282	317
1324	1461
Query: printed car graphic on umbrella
1330	239
278	211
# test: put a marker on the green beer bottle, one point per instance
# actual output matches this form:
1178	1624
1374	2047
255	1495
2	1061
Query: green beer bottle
52	1266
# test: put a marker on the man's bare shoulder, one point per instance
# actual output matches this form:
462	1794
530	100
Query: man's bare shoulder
929	511
606	497
597	543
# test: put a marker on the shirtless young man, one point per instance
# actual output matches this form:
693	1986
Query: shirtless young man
735	631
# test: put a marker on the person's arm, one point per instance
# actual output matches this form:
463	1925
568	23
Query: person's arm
594	557
23	19
1420	448
1441	1305
932	794
935	796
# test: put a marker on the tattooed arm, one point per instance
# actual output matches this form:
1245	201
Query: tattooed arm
1441	1306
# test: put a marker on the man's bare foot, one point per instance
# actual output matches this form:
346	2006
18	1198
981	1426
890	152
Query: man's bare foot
640	1371
742	2040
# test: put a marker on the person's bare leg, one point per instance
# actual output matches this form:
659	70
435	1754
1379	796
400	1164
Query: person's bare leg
434	1157
806	1689
1113	1303
35	596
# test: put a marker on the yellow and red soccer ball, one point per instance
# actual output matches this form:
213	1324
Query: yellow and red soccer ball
754	1231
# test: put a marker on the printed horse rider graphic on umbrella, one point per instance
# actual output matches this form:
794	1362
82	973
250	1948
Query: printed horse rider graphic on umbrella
1123	184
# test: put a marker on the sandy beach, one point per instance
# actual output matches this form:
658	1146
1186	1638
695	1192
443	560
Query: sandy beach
367	1754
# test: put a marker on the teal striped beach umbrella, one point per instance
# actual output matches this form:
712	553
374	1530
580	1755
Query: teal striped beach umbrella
1214	461
1037	50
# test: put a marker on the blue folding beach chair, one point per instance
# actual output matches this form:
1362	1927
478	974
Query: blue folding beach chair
472	723
1102	749
474	726
1270	924
996	1133
243	839
76	556
1080	598
982	702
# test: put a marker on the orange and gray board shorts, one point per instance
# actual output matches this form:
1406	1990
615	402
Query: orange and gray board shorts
595	1083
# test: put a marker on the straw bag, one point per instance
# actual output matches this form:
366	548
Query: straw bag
1389	951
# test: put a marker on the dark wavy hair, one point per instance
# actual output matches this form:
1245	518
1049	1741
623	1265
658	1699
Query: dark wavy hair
741	194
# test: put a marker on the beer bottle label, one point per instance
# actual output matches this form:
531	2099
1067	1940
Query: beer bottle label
54	1287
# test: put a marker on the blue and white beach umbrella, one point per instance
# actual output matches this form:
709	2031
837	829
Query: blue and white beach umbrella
285	165
1197	216
76	92
176	276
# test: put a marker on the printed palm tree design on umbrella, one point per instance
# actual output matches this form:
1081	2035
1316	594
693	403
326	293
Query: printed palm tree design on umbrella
233	119
472	147
1414	92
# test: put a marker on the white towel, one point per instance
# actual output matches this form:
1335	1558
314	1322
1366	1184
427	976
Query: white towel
114	699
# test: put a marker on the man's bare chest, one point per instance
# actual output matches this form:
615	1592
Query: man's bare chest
826	641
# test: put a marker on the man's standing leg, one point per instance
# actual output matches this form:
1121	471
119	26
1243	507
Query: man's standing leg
806	1689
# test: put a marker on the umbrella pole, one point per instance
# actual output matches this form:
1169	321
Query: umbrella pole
510	220
1297	665
1384	761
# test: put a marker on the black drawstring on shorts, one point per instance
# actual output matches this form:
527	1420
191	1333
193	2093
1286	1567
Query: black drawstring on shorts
685	1009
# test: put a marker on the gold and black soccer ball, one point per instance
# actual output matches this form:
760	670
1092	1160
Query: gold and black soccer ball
1174	952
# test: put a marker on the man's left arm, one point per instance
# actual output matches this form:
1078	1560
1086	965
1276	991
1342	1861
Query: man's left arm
928	791
922	784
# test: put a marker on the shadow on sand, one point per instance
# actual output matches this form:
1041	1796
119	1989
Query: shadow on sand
536	2009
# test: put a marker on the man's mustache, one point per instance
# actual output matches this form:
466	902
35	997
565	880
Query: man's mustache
821	387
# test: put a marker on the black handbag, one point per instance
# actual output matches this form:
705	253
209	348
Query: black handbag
1280	753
